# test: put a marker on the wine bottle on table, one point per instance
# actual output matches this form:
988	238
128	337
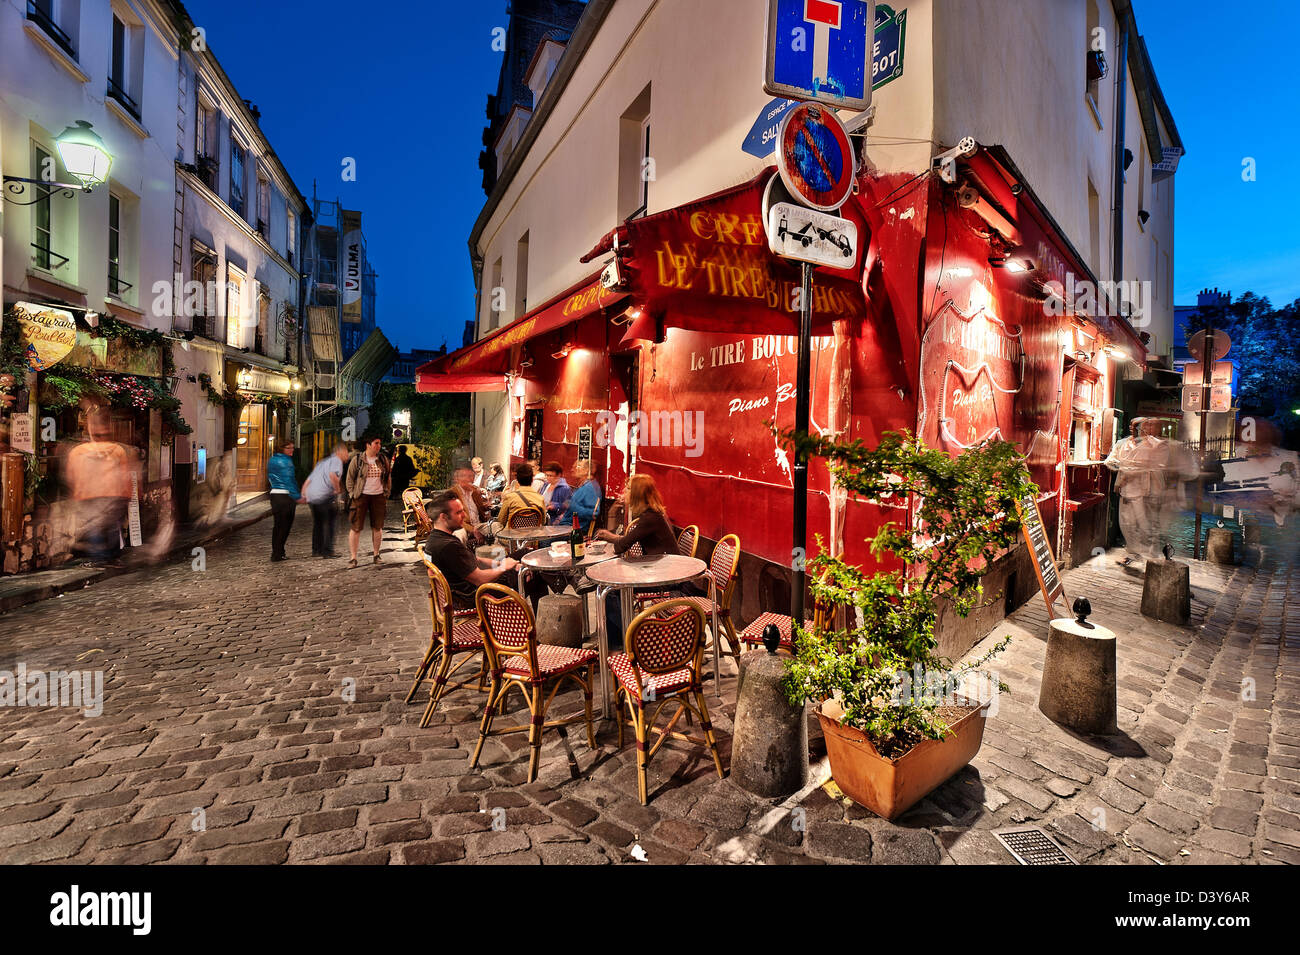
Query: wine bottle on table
577	544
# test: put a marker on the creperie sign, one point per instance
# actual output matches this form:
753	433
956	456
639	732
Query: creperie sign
725	255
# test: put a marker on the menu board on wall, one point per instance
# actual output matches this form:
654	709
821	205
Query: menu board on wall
584	443
1049	578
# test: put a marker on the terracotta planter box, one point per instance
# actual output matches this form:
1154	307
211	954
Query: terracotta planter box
891	787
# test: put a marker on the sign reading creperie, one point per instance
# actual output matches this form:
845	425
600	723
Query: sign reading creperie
575	305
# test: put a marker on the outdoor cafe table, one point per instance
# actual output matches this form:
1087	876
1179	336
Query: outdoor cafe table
542	559
533	535
652	572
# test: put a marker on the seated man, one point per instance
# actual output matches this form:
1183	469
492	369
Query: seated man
464	571
556	494
521	498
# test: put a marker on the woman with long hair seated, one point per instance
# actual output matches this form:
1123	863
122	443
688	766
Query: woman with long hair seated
649	527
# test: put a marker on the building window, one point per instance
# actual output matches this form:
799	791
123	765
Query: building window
1094	62
1094	228
234	306
43	224
200	298
237	153
291	235
49	14
636	167
263	320
115	284
521	276
119	67
264	206
495	298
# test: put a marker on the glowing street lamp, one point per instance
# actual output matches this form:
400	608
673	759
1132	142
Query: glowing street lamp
83	154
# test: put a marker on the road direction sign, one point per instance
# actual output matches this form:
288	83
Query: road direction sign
815	157
762	135
804	235
1221	343
821	50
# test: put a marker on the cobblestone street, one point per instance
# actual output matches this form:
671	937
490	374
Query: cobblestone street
226	737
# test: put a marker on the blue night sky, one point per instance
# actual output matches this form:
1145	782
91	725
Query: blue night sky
407	101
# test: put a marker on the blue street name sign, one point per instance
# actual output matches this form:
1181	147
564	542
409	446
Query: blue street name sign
887	52
821	50
761	141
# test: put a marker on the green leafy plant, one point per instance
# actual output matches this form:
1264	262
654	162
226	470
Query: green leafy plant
961	514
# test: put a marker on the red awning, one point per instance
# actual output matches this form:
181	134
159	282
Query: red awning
706	266
494	355
428	381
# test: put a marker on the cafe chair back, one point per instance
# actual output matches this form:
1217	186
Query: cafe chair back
688	540
515	659
456	633
413	511
526	519
661	667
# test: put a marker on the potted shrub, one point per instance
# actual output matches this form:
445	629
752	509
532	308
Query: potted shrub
895	725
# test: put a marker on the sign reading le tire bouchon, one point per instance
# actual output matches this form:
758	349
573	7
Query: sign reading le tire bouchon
805	235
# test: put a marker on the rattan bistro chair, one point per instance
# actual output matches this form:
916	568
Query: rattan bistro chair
515	659
722	569
688	540
528	518
456	633
413	511
665	650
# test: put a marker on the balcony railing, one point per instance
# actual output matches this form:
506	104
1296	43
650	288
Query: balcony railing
44	255
116	285
207	167
42	20
116	91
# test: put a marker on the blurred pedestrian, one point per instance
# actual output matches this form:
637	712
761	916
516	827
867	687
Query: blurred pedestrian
284	497
557	494
585	502
322	490
99	476
369	480
404	470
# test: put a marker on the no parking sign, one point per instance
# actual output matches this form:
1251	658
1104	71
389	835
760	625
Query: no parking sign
814	156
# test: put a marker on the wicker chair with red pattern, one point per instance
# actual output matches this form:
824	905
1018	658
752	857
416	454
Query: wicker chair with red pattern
516	659
413	510
822	619
722	569
456	633
662	663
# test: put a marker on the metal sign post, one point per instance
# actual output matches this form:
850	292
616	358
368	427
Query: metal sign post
1207	368
803	389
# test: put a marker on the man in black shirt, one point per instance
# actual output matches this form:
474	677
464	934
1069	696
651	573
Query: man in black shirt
464	571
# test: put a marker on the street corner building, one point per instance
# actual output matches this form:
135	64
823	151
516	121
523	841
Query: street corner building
1012	278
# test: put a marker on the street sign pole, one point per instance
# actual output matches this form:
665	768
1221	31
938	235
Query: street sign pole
803	392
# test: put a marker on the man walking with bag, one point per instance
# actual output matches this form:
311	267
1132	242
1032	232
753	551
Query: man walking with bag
284	497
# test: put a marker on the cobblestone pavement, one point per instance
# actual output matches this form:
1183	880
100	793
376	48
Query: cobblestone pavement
225	737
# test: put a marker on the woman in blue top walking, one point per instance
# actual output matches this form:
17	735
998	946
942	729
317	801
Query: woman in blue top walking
284	496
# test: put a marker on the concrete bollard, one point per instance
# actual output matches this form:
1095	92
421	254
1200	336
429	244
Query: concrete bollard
1218	546
1079	680
559	620
1167	591
769	750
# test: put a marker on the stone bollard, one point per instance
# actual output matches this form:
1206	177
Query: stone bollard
1218	546
1167	591
769	749
559	620
1079	688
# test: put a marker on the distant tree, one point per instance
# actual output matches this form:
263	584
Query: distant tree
1267	357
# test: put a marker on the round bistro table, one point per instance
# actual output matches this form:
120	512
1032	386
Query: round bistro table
625	575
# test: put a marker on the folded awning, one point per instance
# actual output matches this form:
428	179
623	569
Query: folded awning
706	266
429	381
495	354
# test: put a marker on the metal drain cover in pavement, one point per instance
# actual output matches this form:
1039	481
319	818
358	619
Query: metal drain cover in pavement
1032	846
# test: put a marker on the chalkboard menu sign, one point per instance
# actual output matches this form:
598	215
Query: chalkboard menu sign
1049	578
584	443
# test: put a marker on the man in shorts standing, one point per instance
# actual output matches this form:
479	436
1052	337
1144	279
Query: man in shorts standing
369	480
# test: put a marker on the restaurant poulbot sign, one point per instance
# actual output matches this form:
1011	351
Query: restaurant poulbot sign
48	334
